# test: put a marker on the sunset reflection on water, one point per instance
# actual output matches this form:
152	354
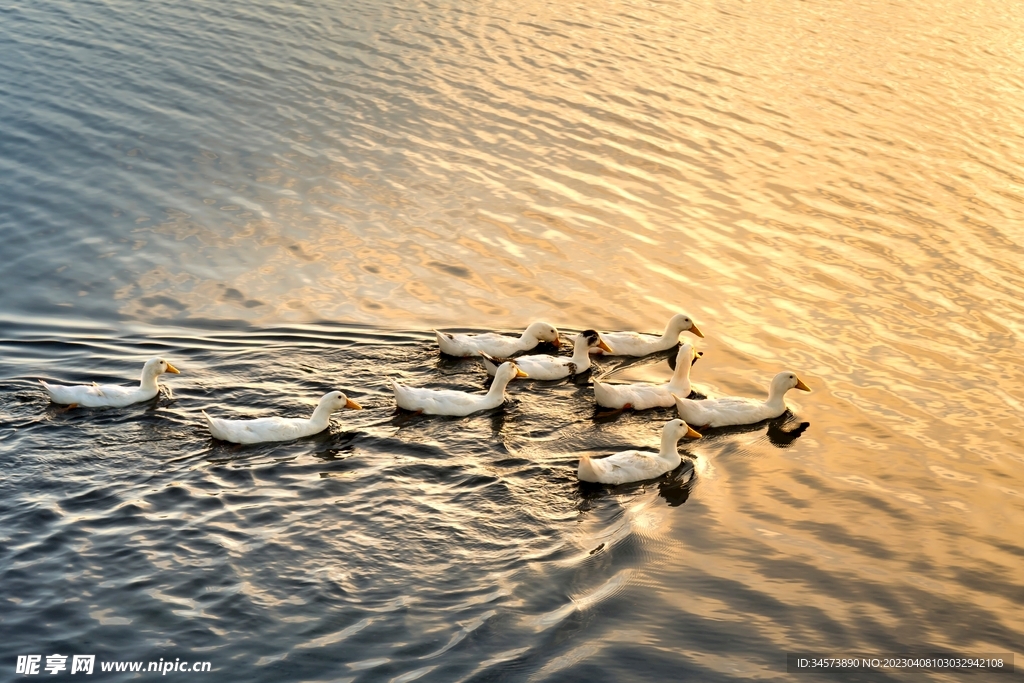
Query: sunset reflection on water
291	194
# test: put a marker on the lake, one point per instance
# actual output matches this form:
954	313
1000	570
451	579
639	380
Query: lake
284	199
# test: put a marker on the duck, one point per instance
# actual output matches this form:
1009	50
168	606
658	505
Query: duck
547	367
266	429
736	410
111	395
642	396
456	403
496	345
636	344
628	466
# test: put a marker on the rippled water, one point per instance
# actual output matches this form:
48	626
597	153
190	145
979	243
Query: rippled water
283	199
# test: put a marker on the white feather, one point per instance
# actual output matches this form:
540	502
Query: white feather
265	429
736	410
497	345
636	344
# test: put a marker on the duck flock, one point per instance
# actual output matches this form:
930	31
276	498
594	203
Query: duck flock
499	355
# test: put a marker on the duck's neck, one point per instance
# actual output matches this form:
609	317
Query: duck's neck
581	356
681	377
149	382
527	341
671	333
776	398
670	449
321	416
497	389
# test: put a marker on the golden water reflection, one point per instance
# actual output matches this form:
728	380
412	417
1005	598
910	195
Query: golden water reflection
831	188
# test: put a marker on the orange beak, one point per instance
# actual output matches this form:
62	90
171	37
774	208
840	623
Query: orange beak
801	386
693	434
603	346
172	369
693	328
349	403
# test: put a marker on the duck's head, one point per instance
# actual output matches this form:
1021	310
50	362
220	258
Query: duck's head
335	401
508	371
542	331
786	380
682	323
677	429
590	339
687	354
158	366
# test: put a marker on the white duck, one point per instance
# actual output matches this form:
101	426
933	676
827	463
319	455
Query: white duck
636	344
735	410
497	345
547	367
111	395
641	396
280	428
630	466
459	403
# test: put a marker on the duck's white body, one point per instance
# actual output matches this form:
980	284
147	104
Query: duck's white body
548	367
266	429
457	403
736	410
111	395
630	466
636	344
641	396
497	345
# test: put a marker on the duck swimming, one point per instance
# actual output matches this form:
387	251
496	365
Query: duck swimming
547	367
497	345
457	403
641	396
636	344
735	410
111	395
629	466
265	429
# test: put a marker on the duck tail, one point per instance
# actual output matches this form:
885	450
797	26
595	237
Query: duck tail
214	430
211	426
49	389
490	362
445	343
604	397
586	471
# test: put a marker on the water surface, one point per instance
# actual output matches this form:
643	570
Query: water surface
282	199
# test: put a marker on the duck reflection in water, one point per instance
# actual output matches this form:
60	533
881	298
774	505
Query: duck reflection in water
340	446
674	487
784	437
778	433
